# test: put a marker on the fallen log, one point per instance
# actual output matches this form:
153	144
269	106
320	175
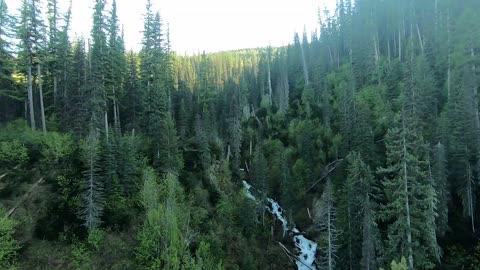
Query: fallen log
25	196
6	173
327	172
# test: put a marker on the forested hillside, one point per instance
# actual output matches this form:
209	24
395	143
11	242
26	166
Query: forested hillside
365	132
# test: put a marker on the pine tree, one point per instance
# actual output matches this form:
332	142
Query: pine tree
6	59
31	36
129	165
92	196
152	57
164	237
442	188
63	67
54	45
409	194
110	164
116	68
421	96
182	118
98	61
259	171
282	88
170	158
362	231
234	129
76	100
463	140
133	97
202	143
325	221
259	178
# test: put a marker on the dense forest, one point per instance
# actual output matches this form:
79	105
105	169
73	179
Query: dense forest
357	146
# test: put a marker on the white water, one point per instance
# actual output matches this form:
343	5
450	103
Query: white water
307	247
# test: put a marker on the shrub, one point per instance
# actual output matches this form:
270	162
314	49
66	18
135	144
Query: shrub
13	153
8	245
55	147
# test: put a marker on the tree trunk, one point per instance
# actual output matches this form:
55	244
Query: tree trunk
407	202
331	56
449	58
350	252
55	91
330	238
30	96
115	117
470	196
394	44
65	94
106	124
399	46
269	81
376	50
420	38
118	116
40	88
389	54
305	69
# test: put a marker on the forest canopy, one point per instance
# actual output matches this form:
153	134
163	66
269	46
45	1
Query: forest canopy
356	146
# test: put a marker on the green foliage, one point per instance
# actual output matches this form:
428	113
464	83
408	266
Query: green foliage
259	170
456	257
205	259
92	200
68	192
386	86
402	265
81	257
408	190
361	213
169	157
56	147
219	176
13	153
95	237
325	219
9	246
20	144
164	236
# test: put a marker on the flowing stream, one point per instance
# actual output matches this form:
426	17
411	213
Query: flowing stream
307	248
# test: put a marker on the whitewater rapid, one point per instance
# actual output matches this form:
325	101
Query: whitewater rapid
307	248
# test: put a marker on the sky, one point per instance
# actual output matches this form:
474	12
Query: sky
210	25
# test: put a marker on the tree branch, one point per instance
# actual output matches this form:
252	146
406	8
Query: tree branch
326	173
293	258
25	197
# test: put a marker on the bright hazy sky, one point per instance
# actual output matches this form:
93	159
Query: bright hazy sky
210	25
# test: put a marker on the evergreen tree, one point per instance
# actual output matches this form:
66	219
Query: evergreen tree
259	171
325	221
170	158
153	77
133	97
164	238
116	69
408	195
442	188
31	36
362	233
54	45
201	142
77	98
63	67
98	67
92	196
7	23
